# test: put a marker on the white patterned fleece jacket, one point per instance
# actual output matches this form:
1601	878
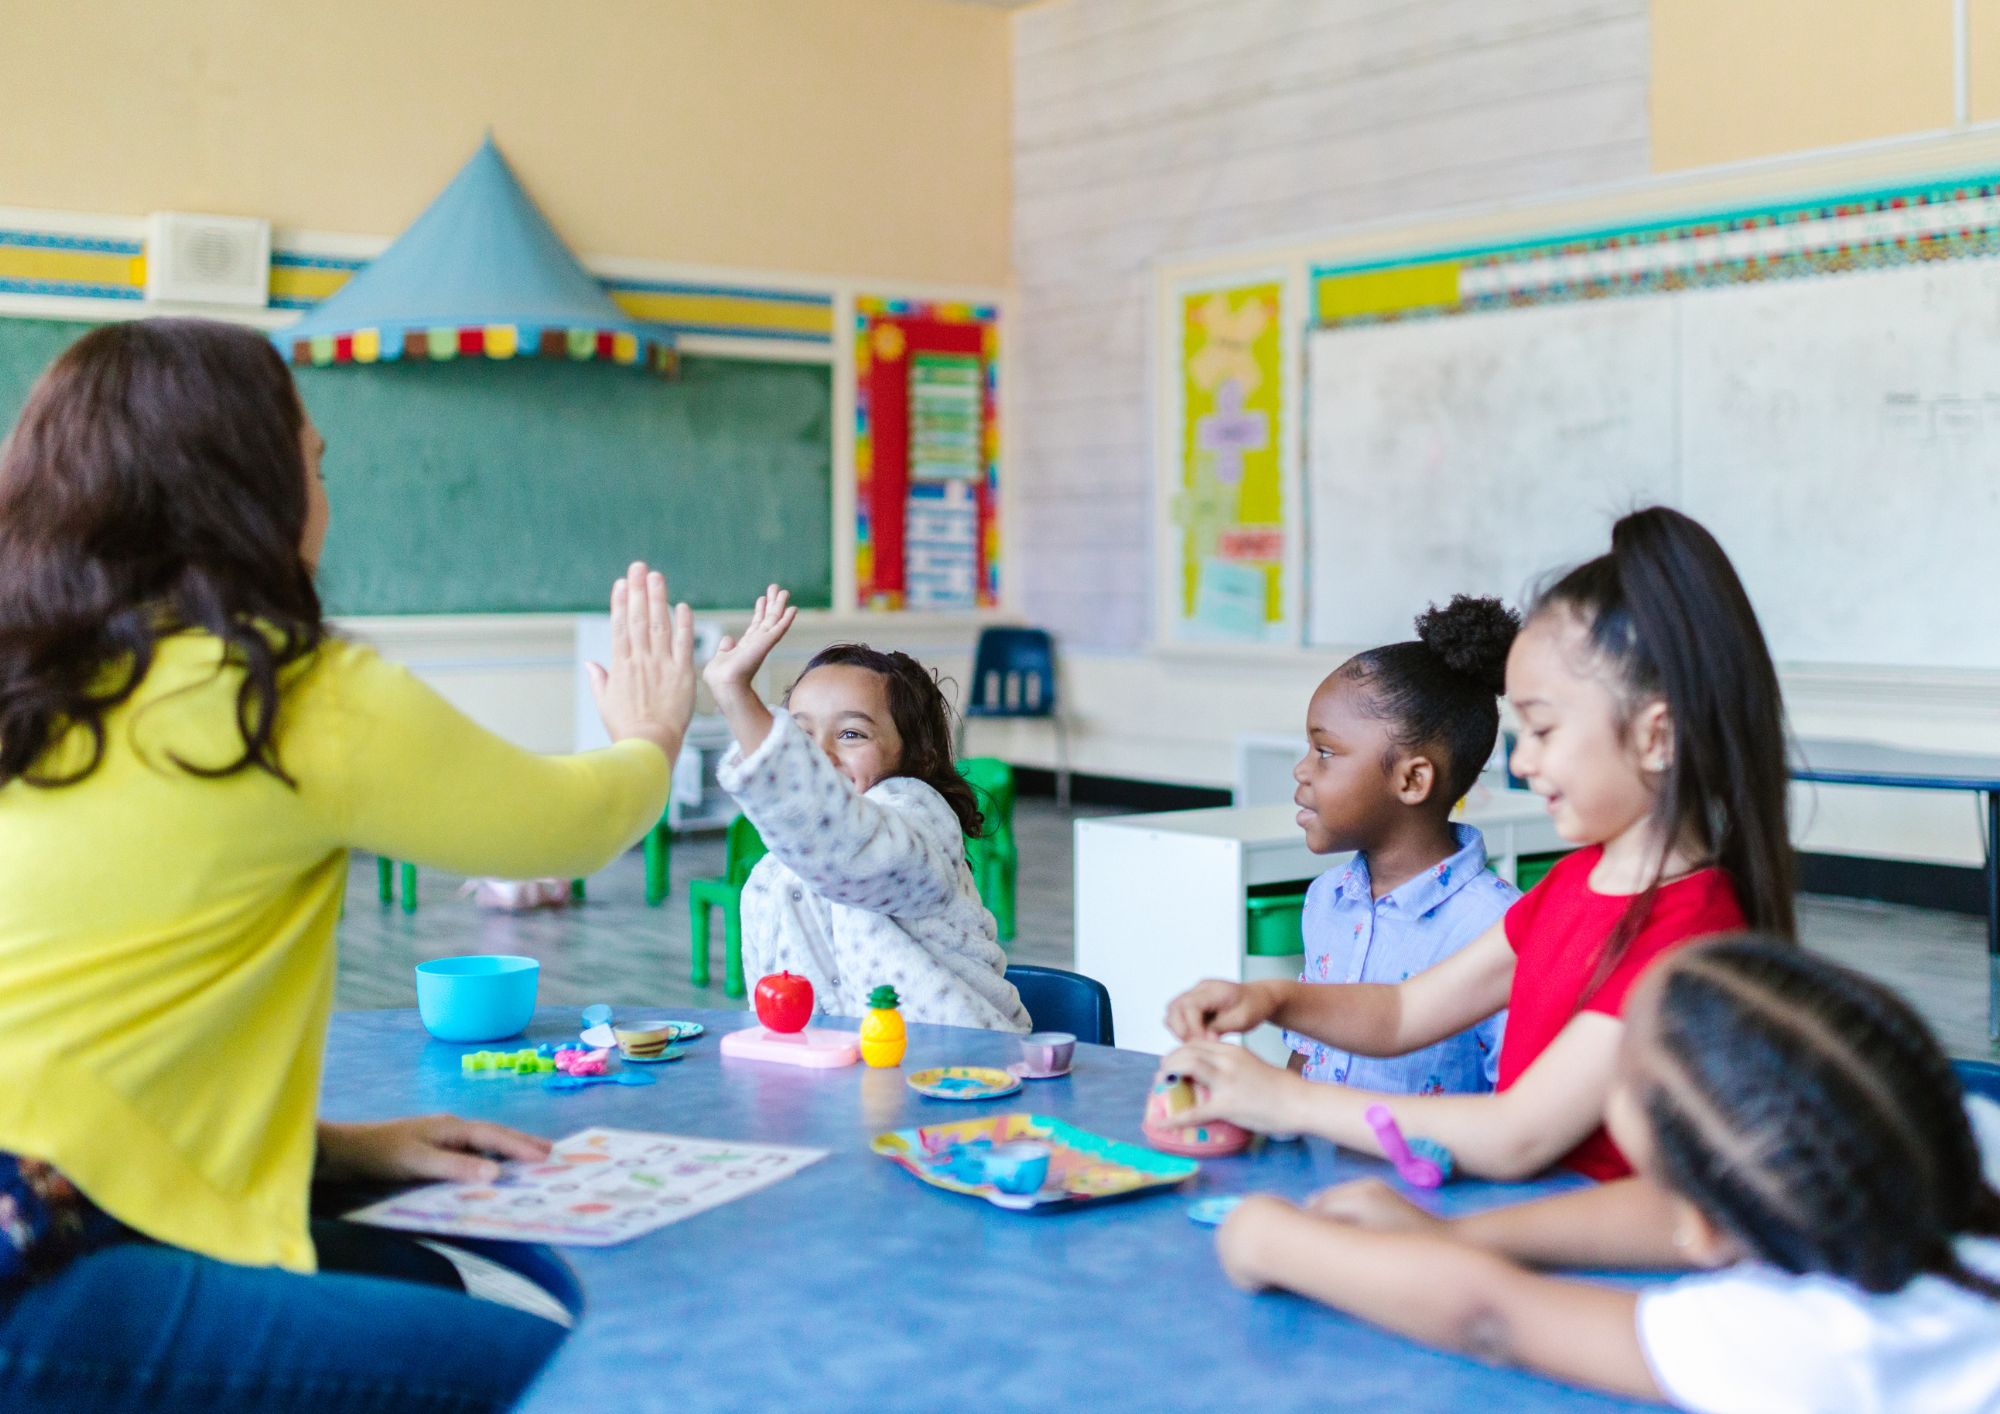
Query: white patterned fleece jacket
859	890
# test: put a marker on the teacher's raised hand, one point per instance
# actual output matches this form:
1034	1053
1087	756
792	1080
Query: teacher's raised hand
647	693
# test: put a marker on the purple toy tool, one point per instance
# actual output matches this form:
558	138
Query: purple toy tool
1422	1170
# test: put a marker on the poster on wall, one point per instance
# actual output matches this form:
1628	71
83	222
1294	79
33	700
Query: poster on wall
1234	560
927	455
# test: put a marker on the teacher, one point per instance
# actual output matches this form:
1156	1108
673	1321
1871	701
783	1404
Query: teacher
187	755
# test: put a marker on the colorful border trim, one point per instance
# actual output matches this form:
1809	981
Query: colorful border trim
65	266
495	341
722	311
302	281
1823	235
71	267
868	310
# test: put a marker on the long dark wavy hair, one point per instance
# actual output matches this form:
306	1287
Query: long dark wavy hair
1808	1111
923	720
154	484
1667	613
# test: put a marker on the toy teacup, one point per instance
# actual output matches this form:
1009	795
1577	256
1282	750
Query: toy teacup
1173	1095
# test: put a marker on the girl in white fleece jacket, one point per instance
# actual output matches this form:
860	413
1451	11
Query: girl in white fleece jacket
853	788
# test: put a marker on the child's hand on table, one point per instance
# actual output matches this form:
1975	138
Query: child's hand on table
431	1148
647	694
1212	1009
1241	1088
737	660
1373	1204
1247	1235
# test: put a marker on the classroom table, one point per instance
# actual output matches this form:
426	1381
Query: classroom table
1864	763
853	1286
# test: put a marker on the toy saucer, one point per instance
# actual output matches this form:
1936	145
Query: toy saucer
603	1036
964	1082
1019	1070
1210	1212
671	1053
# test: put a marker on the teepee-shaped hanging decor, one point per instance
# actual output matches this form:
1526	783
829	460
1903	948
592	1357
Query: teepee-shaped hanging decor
480	274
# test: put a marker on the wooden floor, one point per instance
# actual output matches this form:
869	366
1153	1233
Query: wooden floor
615	949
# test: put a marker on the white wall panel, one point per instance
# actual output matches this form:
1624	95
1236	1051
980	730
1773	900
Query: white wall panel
1147	129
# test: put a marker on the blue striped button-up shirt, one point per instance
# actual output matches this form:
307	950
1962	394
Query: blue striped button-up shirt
1352	936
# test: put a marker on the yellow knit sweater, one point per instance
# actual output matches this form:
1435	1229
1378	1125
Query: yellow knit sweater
167	941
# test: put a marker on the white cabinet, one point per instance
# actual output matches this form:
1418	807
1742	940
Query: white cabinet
1160	899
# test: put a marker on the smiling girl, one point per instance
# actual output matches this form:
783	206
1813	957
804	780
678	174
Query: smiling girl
1652	726
852	786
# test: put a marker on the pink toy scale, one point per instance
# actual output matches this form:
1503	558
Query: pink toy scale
816	1050
1173	1094
784	1003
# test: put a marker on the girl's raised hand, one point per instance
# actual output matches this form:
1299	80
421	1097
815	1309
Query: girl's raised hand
1248	1235
647	694
1373	1204
737	660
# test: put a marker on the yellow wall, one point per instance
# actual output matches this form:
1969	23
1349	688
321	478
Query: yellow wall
1983	20
1750	78
838	136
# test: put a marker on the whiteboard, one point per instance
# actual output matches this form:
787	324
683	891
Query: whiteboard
1470	454
1840	435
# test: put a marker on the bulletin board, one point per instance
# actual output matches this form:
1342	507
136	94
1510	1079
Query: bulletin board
926	455
1232	513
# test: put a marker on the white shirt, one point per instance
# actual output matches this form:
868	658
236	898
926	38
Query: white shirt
1762	1341
859	890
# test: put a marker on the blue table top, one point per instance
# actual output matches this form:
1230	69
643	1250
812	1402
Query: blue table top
853	1285
1867	763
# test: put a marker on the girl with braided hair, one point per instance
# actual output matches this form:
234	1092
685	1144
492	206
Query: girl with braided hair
1652	725
1800	1139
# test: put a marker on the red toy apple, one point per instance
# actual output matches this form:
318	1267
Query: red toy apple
784	1002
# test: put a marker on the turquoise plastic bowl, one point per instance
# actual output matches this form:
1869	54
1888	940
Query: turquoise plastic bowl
478	998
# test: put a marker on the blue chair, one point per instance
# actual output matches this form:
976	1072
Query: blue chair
1065	1001
1014	675
1978	1077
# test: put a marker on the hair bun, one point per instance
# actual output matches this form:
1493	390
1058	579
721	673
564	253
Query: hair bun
1472	636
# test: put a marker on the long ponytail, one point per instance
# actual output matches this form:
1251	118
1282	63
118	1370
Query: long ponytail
1666	610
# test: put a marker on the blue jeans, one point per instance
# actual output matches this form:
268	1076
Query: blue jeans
383	1326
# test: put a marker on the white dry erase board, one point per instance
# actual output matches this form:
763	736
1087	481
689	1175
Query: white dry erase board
1839	433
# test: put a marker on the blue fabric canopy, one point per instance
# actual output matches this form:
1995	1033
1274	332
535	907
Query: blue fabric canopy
481	272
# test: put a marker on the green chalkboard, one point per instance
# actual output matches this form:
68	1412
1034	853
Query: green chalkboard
484	486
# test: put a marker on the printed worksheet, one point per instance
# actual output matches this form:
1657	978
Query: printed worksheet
596	1188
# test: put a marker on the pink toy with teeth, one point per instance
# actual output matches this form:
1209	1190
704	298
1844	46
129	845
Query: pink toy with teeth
1174	1095
1422	1163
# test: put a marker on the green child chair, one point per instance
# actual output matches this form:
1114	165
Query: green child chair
659	860
994	858
743	847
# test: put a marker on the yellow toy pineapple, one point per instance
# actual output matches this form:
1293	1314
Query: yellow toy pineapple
883	1038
